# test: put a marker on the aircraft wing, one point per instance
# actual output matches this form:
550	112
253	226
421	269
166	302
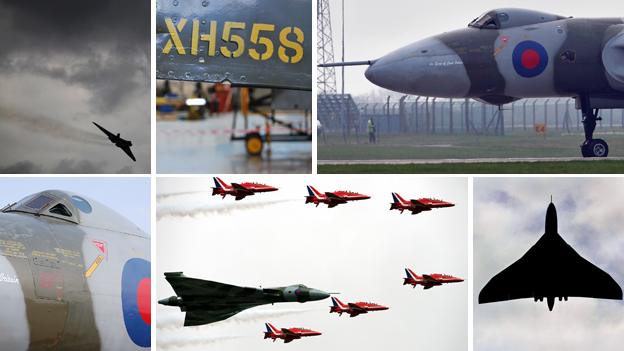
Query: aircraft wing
289	333
356	308
186	288
416	211
194	318
334	196
241	189
128	152
417	203
109	134
208	301
550	268
429	278
335	199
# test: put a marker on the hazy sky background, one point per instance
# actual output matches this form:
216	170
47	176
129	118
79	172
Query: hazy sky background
509	216
129	197
359	249
374	28
64	64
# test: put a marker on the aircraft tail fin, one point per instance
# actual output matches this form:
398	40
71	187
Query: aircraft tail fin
313	192
219	184
337	303
270	329
410	274
397	198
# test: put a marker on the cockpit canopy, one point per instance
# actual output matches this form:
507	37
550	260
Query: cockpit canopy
508	18
75	209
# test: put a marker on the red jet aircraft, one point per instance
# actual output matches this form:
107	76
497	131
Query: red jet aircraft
287	335
239	191
332	199
428	280
416	206
354	308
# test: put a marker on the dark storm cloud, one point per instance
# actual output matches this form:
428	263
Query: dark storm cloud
67	25
104	45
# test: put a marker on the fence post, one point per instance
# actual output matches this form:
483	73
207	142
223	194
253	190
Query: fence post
451	116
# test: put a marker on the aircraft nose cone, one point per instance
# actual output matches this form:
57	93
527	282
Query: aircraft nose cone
425	68
316	295
164	301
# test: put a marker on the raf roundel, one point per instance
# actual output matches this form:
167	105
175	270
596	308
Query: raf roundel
530	59
135	300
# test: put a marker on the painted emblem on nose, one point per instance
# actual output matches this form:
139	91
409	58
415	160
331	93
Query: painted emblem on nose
135	300
530	59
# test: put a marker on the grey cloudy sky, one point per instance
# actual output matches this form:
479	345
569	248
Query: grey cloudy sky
374	28
64	64
358	249
508	219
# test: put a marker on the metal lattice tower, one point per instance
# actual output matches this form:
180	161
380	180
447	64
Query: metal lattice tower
326	77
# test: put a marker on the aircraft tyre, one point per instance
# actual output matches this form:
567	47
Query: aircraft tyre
595	148
253	144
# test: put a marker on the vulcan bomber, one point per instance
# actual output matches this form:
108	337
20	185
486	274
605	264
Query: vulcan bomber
550	269
121	143
206	301
509	54
74	275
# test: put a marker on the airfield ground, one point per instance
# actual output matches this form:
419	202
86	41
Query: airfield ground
514	153
204	147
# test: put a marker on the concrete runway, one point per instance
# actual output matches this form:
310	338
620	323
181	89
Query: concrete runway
205	147
457	160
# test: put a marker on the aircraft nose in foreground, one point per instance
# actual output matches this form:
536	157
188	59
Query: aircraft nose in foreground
426	68
316	294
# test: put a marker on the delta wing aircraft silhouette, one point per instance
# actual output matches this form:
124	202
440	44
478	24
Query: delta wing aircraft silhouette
550	269
118	141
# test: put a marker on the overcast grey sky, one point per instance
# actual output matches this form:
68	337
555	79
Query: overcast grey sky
374	28
509	218
359	249
64	64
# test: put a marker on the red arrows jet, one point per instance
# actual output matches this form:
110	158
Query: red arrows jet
416	206
428	280
354	308
287	335
332	199
239	191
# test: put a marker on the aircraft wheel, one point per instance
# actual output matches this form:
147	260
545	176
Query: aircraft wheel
254	144
595	148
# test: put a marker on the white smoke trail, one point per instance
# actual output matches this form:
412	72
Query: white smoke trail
53	128
173	342
161	197
178	212
175	321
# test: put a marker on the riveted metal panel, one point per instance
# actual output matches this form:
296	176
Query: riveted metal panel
264	43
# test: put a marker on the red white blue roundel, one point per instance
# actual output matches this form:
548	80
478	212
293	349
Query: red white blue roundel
135	300
530	59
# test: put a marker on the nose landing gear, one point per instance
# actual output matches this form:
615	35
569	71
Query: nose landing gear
591	147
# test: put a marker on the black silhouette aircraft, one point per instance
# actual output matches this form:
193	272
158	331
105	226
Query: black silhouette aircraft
118	141
550	269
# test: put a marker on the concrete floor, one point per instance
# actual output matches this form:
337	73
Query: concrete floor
205	147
